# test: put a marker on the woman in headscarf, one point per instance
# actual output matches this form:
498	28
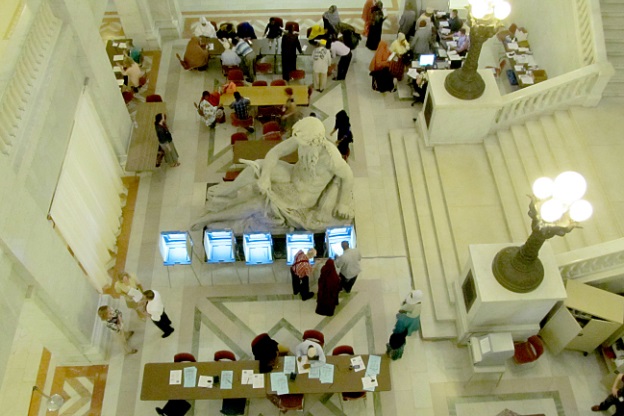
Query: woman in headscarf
399	47
317	32
290	46
380	69
376	26
328	289
195	56
205	29
367	15
408	318
331	20
207	110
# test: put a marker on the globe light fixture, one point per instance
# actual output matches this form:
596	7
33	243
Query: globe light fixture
465	83
556	208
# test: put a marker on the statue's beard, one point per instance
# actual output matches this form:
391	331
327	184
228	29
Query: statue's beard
310	158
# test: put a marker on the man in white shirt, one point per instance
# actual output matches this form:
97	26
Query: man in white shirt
156	309
338	48
349	266
230	58
312	350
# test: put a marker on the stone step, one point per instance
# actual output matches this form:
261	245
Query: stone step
617	61
611	7
419	227
615	35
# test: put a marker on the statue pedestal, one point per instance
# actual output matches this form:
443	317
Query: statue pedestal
484	306
449	120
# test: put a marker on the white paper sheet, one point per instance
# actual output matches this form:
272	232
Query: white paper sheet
512	46
175	377
358	364
369	383
247	377
118	58
258	381
190	375
226	379
526	79
205	381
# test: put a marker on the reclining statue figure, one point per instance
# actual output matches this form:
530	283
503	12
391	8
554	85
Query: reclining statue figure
272	195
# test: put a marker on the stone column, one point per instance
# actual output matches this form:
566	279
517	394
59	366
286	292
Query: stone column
150	22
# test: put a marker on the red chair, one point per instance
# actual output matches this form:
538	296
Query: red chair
278	83
230	406
528	351
236	122
231	175
236	137
279	21
270	126
259	83
264	67
239	83
127	96
184	357
224	355
297	74
227	68
348	350
154	98
274	135
184	64
314	335
287	402
294	25
235	75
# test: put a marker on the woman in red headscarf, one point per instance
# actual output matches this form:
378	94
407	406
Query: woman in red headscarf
328	289
367	15
383	80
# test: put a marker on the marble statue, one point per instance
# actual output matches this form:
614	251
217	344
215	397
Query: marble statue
272	195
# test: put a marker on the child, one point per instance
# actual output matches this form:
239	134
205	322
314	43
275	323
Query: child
395	346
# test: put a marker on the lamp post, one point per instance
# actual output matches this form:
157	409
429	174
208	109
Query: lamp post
465	83
556	208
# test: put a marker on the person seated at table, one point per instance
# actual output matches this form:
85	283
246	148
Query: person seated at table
463	42
419	84
455	23
240	105
195	56
310	353
205	29
226	31
422	40
229	57
272	31
133	73
207	110
266	350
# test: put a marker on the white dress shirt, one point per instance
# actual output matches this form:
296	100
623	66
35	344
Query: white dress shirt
339	49
349	263
302	350
155	307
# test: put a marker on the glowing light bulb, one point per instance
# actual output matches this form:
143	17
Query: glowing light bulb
552	210
543	187
581	210
480	10
502	10
569	186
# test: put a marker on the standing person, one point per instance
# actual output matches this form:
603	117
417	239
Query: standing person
408	318
399	47
290	46
349	266
379	67
156	309
367	15
331	20
272	31
247	54
328	290
422	40
376	26
321	60
337	48
407	23
241	108
290	112
300	273
114	322
205	29
396	345
426	17
345	137
616	398
129	286
166	140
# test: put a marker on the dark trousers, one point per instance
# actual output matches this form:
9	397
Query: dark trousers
164	324
301	285
611	400
343	66
347	284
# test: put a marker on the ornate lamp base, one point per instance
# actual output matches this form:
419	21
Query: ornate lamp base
465	85
514	275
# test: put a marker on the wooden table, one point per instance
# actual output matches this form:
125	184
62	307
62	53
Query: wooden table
522	68
257	149
268	95
155	384
113	49
143	147
212	45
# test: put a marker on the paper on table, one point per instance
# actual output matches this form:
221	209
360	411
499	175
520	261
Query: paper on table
226	379
512	46
369	383
374	365
391	57
258	381
120	82
289	364
205	381
445	31
118	57
357	363
444	23
210	47
247	377
279	383
451	44
190	375
530	60
521	49
118	69
327	373
526	79
521	59
442	53
315	372
519	68
302	368
175	377
115	44
412	73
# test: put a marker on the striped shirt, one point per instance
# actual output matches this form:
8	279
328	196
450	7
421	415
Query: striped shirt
243	48
301	266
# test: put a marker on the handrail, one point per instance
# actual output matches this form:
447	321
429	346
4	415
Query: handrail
582	86
593	263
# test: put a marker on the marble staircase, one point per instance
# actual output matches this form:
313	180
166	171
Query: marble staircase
613	25
477	194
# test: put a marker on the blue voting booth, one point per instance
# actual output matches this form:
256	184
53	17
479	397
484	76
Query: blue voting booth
298	241
176	247
258	248
334	236
219	246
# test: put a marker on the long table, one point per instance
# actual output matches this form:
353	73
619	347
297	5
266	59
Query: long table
155	384
257	149
143	147
270	95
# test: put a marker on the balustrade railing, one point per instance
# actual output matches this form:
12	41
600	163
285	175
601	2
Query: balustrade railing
593	264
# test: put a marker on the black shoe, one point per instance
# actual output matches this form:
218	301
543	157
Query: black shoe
596	408
160	411
166	334
308	296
